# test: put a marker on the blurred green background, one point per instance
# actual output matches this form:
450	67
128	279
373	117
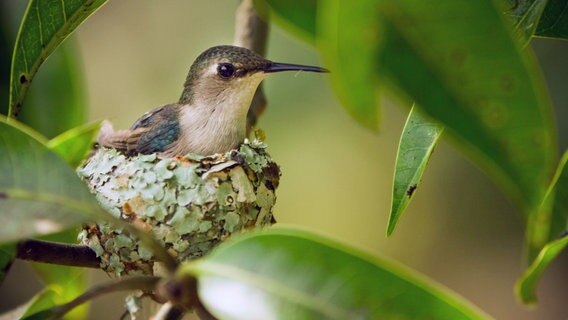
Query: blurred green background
460	230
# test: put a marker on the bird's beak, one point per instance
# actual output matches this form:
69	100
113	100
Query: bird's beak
277	67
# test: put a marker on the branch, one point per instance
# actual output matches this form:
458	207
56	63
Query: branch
251	32
143	283
57	253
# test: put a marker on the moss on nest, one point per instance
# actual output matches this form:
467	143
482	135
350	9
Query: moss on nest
190	203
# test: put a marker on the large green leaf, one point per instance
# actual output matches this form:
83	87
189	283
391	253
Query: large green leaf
56	102
44	26
74	144
554	20
526	286
297	16
39	193
461	64
349	36
419	137
292	274
342	28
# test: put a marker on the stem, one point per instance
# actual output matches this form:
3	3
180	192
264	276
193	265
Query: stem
144	283
251	32
57	253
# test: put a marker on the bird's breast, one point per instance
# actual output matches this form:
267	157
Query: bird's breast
210	129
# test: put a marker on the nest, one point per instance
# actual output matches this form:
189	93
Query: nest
189	203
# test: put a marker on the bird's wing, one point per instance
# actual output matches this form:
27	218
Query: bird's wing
154	131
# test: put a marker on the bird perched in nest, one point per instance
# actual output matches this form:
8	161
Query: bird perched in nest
211	114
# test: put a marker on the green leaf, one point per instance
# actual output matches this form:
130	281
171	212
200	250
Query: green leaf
41	301
7	255
550	220
297	16
419	137
56	102
133	283
39	193
348	35
73	145
67	282
349	38
44	300
526	15
487	93
526	285
292	274
44	26
41	305
554	20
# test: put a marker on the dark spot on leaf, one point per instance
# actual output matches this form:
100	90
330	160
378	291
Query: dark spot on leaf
410	190
507	83
563	234
3	195
23	78
458	57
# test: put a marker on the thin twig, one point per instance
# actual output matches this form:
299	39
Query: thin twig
251	32
143	283
57	253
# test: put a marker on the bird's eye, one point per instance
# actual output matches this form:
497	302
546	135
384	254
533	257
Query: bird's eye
226	70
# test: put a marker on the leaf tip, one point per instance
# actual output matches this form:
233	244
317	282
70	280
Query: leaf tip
392	222
370	122
525	295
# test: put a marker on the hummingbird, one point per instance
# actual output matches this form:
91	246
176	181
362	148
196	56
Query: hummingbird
211	114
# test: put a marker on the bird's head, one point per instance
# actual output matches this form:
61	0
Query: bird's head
229	74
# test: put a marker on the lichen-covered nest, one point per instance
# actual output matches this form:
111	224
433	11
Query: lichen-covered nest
190	203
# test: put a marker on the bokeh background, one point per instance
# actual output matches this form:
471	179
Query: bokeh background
459	230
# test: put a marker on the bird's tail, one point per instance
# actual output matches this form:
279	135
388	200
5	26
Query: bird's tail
112	139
